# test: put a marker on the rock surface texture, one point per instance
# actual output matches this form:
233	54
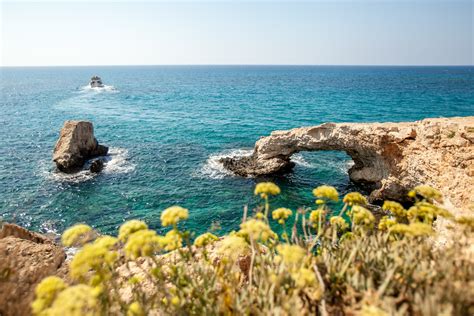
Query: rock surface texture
388	157
25	259
76	145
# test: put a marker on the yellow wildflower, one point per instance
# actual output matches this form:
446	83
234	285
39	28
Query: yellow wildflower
414	229
256	230
135	309
326	192
175	300
143	243
46	291
172	215
77	235
339	223
172	240
395	208
130	227
426	212
386	222
427	192
232	247
205	239
78	300
303	278
291	254
317	216
281	213
354	198
264	189
98	257
362	216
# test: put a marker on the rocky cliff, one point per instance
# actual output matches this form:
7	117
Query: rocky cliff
25	259
76	144
389	158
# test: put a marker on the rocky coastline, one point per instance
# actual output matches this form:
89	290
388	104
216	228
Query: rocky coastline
389	158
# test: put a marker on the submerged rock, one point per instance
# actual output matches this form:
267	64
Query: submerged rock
76	145
389	158
25	259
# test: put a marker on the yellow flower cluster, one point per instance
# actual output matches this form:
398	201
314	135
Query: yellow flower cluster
172	240
413	229
264	189
143	243
131	227
77	235
326	192
172	215
354	198
304	278
386	222
135	309
98	257
292	255
317	216
256	230
46	292
395	208
426	192
338	223
362	216
232	247
426	212
281	214
205	239
78	300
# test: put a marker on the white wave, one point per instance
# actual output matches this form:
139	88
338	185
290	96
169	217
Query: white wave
299	160
105	88
214	169
116	162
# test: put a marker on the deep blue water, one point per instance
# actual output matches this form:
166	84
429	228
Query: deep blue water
167	125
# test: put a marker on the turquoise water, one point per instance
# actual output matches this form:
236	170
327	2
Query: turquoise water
168	125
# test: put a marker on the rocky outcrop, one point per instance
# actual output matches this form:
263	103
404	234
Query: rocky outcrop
76	145
389	158
25	259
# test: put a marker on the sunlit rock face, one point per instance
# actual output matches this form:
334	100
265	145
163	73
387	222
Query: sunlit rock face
76	144
389	158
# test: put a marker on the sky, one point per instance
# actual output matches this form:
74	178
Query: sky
423	32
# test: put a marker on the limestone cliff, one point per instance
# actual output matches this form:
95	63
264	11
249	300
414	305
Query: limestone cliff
389	157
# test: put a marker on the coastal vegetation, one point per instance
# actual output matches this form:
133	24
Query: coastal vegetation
327	262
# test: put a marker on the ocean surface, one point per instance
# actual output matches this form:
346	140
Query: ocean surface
167	126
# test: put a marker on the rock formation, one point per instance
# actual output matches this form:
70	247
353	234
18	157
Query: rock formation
25	259
76	145
388	157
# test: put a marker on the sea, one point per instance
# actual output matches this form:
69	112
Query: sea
168	126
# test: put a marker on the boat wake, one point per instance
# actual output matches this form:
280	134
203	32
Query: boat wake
116	162
105	88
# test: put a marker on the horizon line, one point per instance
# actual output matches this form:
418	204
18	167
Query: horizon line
237	65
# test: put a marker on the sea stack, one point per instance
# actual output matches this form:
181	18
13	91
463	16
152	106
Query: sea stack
76	145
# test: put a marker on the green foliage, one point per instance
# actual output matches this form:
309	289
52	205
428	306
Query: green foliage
334	267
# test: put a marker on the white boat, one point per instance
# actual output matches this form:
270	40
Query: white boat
96	82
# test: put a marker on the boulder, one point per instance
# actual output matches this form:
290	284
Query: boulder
96	166
389	158
76	144
25	259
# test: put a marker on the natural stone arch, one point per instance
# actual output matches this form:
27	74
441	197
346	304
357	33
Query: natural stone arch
390	157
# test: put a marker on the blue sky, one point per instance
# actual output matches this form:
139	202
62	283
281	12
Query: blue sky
237	32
